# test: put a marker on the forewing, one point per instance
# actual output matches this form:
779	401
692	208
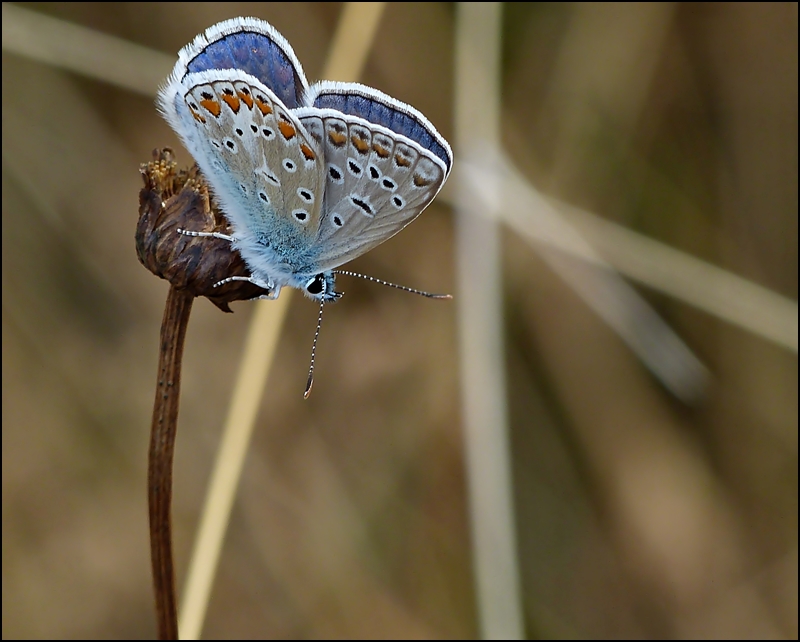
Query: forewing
262	164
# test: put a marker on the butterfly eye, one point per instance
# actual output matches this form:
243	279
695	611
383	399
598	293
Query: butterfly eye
316	285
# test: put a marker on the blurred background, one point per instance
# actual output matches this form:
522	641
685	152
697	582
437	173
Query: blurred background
638	512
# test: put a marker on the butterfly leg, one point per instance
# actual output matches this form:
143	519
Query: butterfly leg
272	289
215	235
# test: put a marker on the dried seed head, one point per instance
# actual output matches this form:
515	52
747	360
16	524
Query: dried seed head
172	200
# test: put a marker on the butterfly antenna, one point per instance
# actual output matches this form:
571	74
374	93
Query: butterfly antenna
429	295
310	381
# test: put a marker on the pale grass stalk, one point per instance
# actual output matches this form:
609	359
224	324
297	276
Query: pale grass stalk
84	51
718	292
714	290
352	41
601	287
483	389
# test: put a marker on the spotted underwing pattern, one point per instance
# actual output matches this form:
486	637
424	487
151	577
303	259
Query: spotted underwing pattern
309	177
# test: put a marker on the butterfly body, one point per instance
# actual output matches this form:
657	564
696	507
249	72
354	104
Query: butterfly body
308	177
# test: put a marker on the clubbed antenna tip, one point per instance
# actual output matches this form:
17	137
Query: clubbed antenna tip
310	381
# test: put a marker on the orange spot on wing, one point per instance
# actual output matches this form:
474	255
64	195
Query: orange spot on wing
308	153
287	130
402	161
247	99
265	107
198	117
211	105
361	145
380	150
421	181
232	102
337	138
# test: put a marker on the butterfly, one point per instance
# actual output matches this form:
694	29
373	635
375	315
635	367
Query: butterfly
309	177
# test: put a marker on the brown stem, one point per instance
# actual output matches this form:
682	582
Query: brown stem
162	448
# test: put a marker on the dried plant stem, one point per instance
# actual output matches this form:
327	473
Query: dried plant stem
162	449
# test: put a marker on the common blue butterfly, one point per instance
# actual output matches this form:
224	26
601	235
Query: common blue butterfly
309	177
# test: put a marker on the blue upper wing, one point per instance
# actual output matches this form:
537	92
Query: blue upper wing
252	46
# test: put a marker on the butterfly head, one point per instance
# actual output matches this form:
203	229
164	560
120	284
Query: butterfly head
321	287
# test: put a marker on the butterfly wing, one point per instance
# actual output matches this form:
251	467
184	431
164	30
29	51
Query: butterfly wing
384	163
252	46
262	165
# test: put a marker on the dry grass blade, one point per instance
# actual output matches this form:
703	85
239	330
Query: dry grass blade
483	382
100	56
661	350
707	287
355	32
